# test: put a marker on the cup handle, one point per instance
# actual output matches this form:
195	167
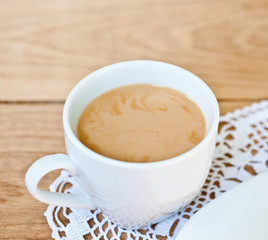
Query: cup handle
45	165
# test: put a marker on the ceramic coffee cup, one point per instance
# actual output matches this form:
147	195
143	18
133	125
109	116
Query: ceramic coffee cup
130	194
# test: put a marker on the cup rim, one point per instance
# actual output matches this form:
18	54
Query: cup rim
73	138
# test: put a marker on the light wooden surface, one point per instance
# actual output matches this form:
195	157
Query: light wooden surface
47	46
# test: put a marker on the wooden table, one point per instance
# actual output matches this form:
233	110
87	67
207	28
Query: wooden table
47	46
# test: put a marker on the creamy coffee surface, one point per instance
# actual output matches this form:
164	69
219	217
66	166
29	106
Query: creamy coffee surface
141	123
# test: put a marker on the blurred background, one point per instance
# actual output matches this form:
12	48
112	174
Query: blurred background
48	46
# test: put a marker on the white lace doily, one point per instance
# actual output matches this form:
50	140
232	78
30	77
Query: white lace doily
241	152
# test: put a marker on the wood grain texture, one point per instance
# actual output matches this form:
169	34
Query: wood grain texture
48	46
28	132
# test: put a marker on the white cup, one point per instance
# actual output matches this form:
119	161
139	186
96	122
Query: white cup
130	194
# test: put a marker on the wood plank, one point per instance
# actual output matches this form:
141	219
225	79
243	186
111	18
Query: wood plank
47	46
28	132
230	106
